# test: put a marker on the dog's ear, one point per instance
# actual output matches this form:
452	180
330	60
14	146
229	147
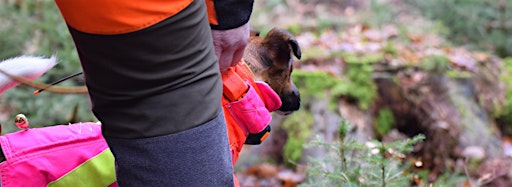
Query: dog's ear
279	34
295	46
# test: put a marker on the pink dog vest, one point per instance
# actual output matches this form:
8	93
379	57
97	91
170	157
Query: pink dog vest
62	155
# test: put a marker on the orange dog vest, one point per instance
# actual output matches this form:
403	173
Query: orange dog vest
247	105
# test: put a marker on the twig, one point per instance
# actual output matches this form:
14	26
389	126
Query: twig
47	87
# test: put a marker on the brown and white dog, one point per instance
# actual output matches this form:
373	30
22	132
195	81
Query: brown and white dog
271	61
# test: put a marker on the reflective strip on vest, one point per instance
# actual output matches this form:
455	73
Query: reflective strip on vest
97	171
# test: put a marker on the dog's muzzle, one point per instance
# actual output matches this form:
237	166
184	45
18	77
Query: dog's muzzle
291	103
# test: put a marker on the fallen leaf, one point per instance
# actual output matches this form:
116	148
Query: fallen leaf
263	170
290	178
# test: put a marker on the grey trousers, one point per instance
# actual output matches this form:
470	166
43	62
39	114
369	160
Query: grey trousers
196	157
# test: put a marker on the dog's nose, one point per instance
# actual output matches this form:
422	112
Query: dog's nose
291	102
296	95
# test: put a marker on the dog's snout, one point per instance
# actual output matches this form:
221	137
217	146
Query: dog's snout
295	93
296	97
291	102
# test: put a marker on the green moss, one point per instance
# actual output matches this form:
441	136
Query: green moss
389	48
293	150
435	63
295	29
297	127
325	23
360	85
363	59
505	113
458	74
384	121
313	52
357	82
320	85
314	83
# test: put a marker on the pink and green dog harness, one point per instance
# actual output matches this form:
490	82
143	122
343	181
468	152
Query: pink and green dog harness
63	155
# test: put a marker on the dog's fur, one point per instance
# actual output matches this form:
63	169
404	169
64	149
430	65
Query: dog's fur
271	61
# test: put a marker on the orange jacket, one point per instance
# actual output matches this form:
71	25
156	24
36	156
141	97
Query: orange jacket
118	17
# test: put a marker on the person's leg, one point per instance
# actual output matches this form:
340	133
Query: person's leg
156	91
195	157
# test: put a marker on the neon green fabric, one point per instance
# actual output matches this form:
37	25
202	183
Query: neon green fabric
97	171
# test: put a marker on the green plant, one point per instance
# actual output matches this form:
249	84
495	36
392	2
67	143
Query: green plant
297	127
314	85
360	83
349	163
319	84
435	64
446	179
356	82
389	48
378	14
504	116
35	27
475	22
384	121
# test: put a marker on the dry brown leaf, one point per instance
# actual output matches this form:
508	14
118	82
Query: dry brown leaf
290	178
415	38
467	184
481	57
263	170
408	55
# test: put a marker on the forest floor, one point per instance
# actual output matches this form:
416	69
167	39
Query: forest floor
449	99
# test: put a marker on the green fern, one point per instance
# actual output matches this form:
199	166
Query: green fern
350	163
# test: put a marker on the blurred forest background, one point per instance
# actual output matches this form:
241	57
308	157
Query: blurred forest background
395	92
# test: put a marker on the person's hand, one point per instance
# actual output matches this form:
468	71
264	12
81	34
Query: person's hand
230	44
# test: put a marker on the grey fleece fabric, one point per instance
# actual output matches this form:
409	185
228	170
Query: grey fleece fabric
195	157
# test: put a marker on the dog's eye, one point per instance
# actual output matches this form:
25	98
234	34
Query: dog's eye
278	72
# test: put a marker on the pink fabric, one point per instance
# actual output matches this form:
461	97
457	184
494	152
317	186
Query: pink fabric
37	156
269	96
250	112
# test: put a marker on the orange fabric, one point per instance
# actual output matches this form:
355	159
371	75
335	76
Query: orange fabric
117	16
233	86
212	14
235	180
236	135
